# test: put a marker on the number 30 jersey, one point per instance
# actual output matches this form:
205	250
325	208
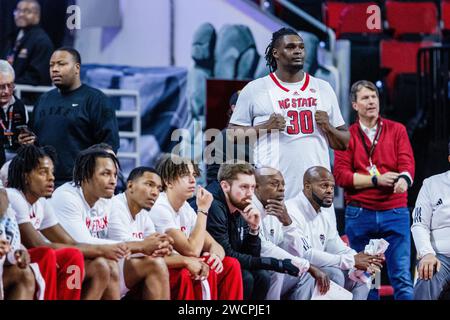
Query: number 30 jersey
302	144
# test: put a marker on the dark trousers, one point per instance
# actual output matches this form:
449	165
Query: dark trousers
256	284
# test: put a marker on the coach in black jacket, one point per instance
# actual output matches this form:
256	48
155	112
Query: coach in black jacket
30	49
235	224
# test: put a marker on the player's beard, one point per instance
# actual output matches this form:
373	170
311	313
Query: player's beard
295	68
320	201
241	205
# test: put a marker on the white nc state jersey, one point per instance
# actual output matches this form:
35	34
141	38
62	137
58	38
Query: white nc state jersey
302	144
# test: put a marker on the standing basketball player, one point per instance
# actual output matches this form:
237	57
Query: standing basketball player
295	116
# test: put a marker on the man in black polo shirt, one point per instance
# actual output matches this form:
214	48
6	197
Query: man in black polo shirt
73	116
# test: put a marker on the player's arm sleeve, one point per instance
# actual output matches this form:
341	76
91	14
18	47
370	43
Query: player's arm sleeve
251	244
405	156
242	114
271	250
321	259
295	242
69	214
117	226
162	218
149	226
19	206
422	216
49	219
336	246
343	170
104	123
217	226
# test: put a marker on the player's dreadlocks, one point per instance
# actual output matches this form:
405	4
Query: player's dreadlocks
276	36
26	160
171	167
85	163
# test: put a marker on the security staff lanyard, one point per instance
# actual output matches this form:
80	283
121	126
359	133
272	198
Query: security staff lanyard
374	144
7	132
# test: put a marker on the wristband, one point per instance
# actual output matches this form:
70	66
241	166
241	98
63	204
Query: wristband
202	211
407	179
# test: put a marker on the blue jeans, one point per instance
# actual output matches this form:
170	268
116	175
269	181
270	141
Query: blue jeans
393	225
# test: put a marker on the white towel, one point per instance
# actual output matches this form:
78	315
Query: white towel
375	246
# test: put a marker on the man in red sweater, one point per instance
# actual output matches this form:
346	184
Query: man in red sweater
376	172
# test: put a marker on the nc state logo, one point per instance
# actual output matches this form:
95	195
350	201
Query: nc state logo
322	239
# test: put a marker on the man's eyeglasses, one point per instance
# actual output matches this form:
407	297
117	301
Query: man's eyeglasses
24	11
6	87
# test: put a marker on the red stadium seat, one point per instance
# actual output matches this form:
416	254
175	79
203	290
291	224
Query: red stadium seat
353	19
386	290
412	17
348	17
399	57
445	13
332	13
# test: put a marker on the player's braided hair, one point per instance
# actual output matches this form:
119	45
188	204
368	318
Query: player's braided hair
171	167
276	36
26	160
85	164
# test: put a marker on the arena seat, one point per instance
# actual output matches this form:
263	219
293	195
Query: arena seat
353	19
398	57
349	18
406	18
445	15
332	13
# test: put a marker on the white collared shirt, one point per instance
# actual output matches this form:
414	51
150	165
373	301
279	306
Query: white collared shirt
274	236
370	132
6	106
431	216
321	244
83	223
123	227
